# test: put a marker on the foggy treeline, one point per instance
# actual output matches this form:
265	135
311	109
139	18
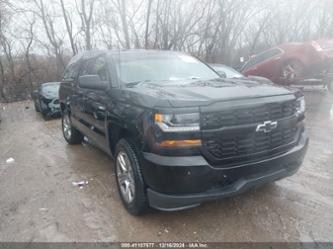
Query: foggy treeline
38	37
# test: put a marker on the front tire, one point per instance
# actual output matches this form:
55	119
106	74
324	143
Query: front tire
130	182
71	134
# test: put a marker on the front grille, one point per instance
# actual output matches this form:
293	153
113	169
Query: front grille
255	114
230	136
251	144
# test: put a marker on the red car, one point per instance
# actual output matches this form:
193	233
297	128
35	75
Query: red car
290	63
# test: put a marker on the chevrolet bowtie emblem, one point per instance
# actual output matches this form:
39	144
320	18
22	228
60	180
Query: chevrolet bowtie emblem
266	127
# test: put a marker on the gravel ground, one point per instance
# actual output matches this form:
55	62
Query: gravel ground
38	201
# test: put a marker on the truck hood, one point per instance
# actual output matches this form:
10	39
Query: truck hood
199	93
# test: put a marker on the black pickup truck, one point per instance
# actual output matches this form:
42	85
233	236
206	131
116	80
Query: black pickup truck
179	134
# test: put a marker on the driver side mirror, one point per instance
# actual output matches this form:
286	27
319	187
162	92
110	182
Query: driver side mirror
92	82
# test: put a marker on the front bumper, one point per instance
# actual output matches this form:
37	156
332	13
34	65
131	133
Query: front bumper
51	107
54	106
176	183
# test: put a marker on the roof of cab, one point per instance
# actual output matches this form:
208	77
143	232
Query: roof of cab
93	53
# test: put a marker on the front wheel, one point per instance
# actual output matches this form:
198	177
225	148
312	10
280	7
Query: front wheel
129	179
71	134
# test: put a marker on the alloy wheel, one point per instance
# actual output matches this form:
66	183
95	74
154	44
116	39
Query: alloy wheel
67	126
125	177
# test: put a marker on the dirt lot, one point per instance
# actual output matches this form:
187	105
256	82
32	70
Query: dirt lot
39	203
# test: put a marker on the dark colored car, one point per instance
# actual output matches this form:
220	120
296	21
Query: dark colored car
292	62
230	73
180	134
46	99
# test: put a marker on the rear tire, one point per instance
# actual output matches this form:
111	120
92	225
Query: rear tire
43	109
36	106
71	134
130	182
45	115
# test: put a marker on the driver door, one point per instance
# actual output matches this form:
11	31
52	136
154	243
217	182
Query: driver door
94	102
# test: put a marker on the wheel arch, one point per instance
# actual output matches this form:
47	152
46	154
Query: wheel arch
62	106
300	60
117	132
65	106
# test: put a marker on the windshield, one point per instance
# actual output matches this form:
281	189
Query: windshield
227	72
158	67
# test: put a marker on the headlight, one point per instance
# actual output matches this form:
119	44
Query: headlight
178	122
300	105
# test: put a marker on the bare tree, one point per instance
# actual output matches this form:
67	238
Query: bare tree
121	6
7	45
147	22
69	27
27	45
85	10
4	21
54	40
